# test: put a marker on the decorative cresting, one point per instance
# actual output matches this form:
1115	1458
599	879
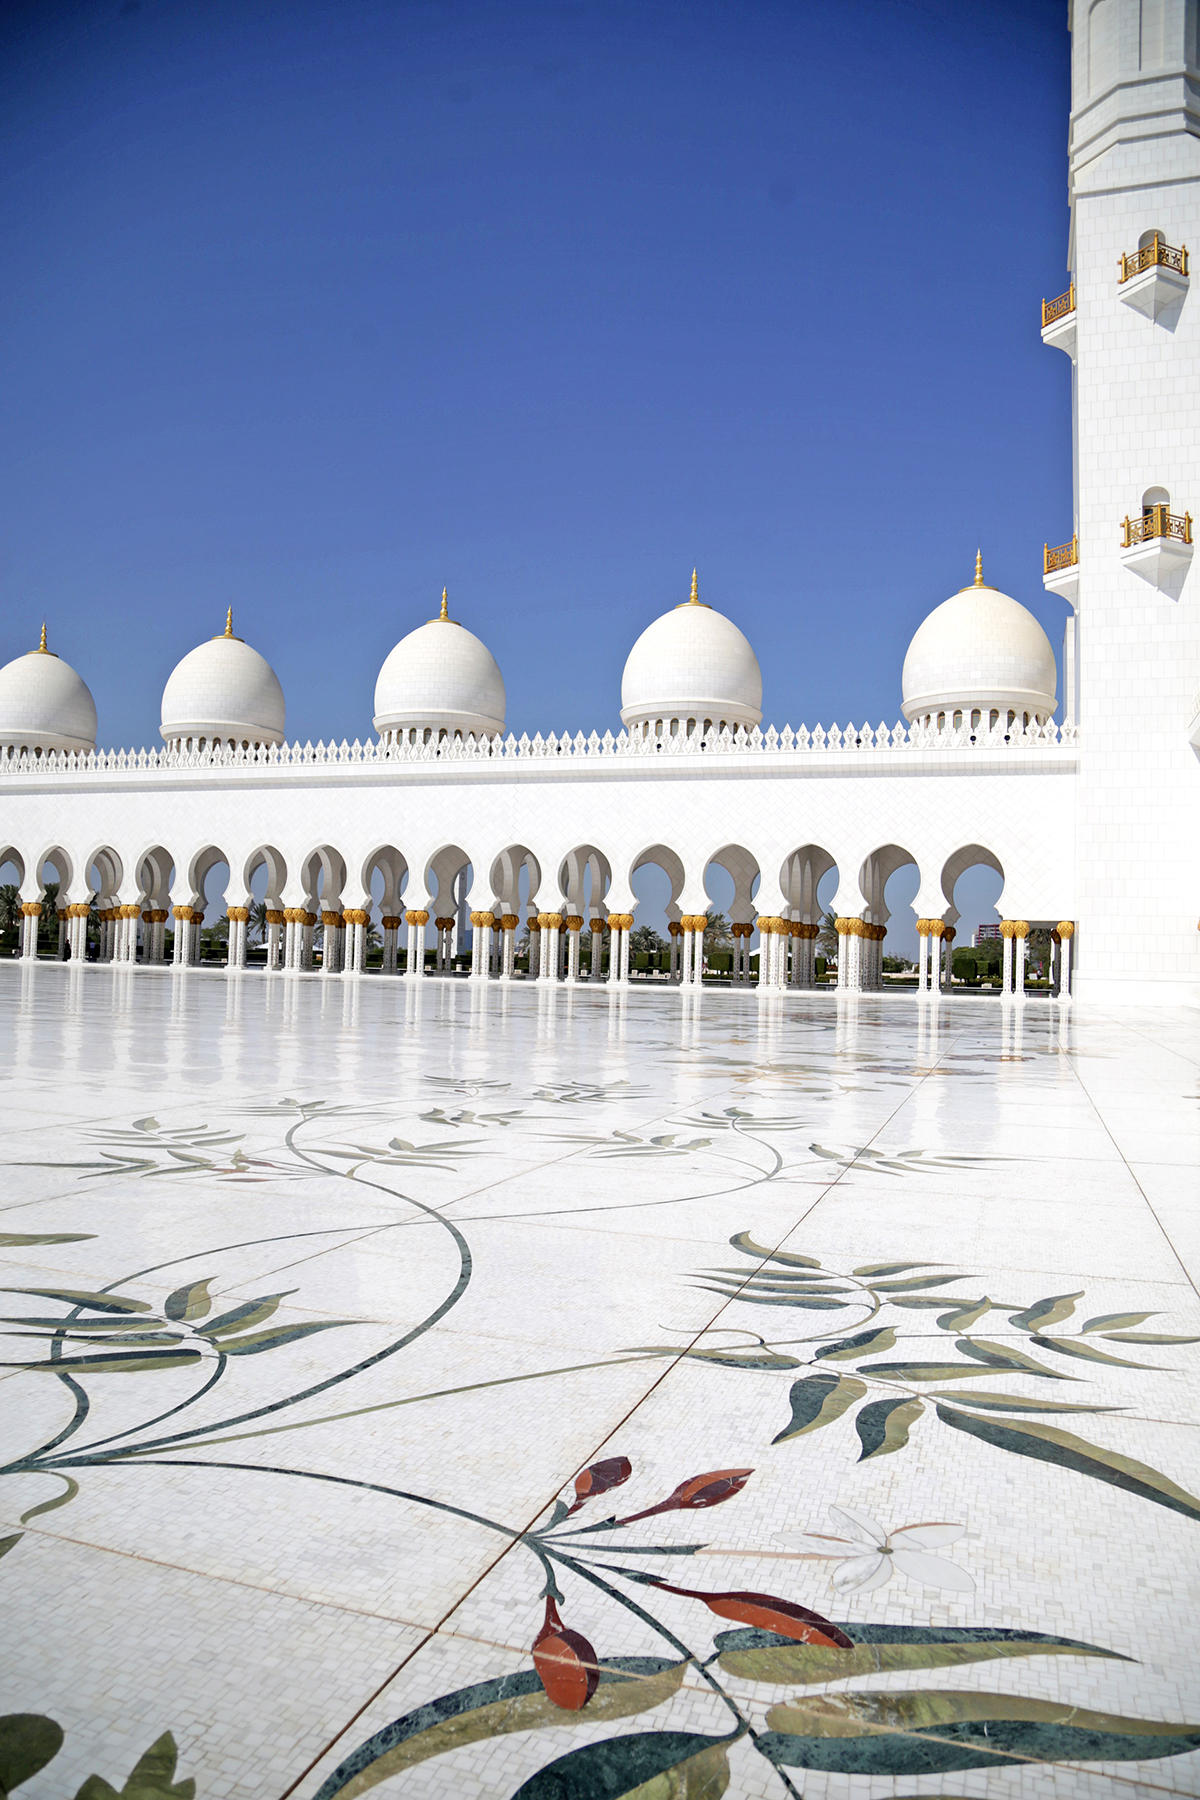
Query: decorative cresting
391	921
550	921
1066	929
481	919
1156	522
574	921
237	914
1156	254
416	915
1058	308
1060	556
298	915
509	921
357	915
620	921
598	925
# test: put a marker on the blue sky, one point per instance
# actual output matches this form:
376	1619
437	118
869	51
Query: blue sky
310	308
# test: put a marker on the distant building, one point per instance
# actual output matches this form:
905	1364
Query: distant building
986	934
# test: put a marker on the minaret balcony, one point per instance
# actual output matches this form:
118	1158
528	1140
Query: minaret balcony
1157	545
1154	279
1060	569
1058	322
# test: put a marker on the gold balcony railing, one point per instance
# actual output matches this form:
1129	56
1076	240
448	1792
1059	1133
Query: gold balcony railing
1157	522
1155	254
1061	556
1054	310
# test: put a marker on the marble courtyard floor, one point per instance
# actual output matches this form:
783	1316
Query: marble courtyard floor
537	1393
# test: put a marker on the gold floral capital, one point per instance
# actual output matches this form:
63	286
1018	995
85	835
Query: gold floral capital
509	921
574	921
333	921
674	927
620	921
298	915
416	915
31	909
480	920
392	921
444	922
357	915
771	922
276	915
1066	929
237	915
598	925
550	921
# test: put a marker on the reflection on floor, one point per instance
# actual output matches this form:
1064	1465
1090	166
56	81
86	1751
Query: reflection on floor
549	1393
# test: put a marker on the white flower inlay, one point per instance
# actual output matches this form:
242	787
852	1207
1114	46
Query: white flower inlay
868	1556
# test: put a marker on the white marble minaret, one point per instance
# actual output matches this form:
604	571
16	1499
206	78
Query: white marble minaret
1135	339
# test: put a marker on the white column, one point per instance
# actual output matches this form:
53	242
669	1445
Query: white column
1020	944
355	950
508	945
597	970
31	912
236	954
1006	987
625	931
618	939
698	954
935	959
481	945
574	925
416	919
275	930
333	942
390	924
922	956
1066	932
844	940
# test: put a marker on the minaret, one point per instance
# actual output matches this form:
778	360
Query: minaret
1135	210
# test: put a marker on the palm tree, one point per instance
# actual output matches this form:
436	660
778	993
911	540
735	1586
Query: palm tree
257	927
717	933
10	907
827	937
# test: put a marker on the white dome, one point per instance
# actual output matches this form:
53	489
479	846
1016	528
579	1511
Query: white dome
45	705
223	692
692	666
440	680
980	651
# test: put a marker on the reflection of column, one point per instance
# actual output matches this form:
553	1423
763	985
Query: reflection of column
416	918
1066	931
596	972
239	918
390	924
508	945
357	919
574	925
481	944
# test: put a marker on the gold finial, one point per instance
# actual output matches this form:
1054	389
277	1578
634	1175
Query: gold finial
229	622
694	599
979	568
444	615
42	646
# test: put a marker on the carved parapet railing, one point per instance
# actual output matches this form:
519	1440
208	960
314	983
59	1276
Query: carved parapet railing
1156	254
1054	310
1061	556
1157	522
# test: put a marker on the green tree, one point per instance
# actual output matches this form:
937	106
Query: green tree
645	938
827	938
717	933
256	929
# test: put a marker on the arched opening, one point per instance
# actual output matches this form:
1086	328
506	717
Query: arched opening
1148	239
656	878
584	878
515	879
448	877
323	878
810	878
731	880
383	877
105	872
54	870
889	880
208	882
12	877
972	882
264	878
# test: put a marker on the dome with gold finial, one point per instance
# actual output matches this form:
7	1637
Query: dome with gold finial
223	692
44	704
692	668
978	660
439	681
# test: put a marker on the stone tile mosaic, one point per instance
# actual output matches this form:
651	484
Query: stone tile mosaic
548	1394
